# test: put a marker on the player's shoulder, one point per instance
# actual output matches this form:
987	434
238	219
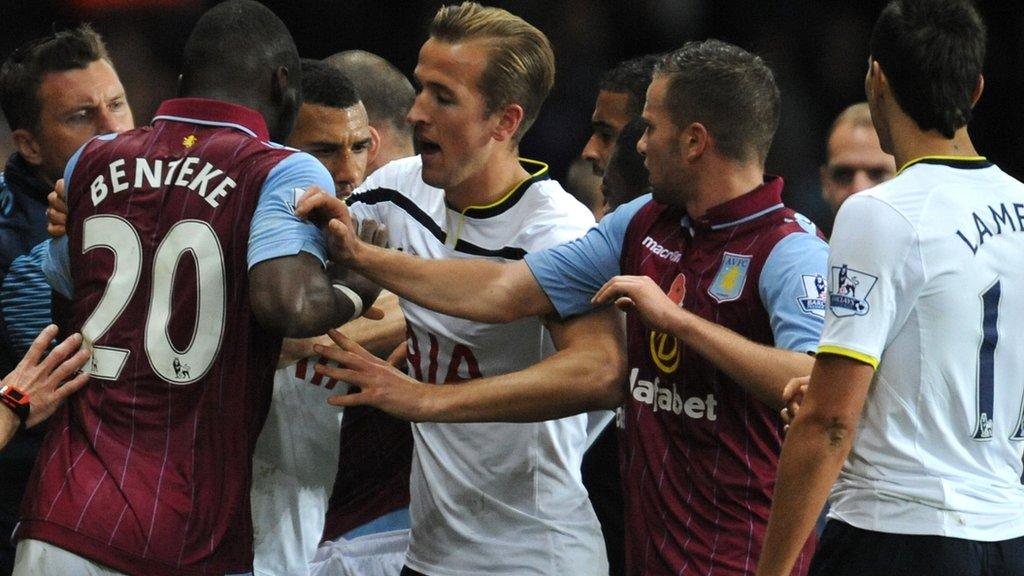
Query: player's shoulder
401	177
546	199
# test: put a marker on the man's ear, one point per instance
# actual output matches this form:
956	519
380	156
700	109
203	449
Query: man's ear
374	145
978	89
509	120
695	140
27	146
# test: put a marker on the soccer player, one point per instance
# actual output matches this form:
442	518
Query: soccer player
915	398
186	263
855	160
498	498
620	99
298	447
57	92
387	95
725	287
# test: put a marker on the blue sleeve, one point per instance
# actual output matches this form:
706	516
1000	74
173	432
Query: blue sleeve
571	273
70	167
792	288
56	265
276	231
25	297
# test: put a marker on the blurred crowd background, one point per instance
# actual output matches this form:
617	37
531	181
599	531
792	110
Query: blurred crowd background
817	48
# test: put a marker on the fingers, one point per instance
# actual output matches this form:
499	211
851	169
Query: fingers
346	400
69	367
367	228
312	199
40	344
349	346
381	236
625	304
65	349
399	355
373	313
616	287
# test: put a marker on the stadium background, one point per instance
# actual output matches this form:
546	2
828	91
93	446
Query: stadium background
817	48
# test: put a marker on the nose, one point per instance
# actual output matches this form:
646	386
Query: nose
592	153
861	181
347	173
416	114
641	145
108	121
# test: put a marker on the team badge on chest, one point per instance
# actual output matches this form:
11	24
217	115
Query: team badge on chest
732	276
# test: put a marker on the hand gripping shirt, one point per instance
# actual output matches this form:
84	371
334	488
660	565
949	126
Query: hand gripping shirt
698	452
926	284
494	498
147	469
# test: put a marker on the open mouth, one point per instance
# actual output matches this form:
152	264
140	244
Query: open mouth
427	146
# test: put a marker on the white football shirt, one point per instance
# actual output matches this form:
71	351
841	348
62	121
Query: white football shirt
927	283
293	469
487	498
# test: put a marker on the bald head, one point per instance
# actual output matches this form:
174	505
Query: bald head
387	95
222	62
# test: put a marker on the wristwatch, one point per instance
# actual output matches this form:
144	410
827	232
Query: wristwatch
16	400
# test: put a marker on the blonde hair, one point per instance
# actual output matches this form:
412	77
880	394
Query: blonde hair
520	65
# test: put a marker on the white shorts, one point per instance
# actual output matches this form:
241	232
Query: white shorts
35	557
380	554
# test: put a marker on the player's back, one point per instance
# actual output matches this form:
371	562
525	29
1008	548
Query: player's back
148	468
942	436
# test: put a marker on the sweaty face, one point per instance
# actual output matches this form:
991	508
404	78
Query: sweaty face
340	138
75	106
449	116
855	162
660	146
611	114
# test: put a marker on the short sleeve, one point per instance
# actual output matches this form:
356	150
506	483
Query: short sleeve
276	231
56	265
793	290
873	266
571	273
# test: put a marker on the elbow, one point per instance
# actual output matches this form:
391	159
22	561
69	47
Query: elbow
296	315
607	378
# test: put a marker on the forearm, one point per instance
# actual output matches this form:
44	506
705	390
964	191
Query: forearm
380	337
587	373
8	426
761	370
812	457
293	297
500	292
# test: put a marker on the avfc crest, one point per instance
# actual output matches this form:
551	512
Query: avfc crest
850	289
815	292
731	277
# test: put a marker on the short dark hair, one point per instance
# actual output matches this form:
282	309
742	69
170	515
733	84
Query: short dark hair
23	71
233	45
326	86
386	93
632	77
932	52
727	89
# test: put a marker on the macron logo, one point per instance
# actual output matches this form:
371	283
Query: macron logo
660	251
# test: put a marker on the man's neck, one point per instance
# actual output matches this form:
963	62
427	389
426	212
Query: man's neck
723	182
910	142
497	178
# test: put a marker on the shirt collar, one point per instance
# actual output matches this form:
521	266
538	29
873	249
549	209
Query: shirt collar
214	113
764	199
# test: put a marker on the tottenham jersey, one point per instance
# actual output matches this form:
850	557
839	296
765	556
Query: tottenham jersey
495	498
293	469
926	283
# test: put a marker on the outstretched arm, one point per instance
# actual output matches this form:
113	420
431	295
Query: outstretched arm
816	446
762	370
502	292
41	380
585	374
